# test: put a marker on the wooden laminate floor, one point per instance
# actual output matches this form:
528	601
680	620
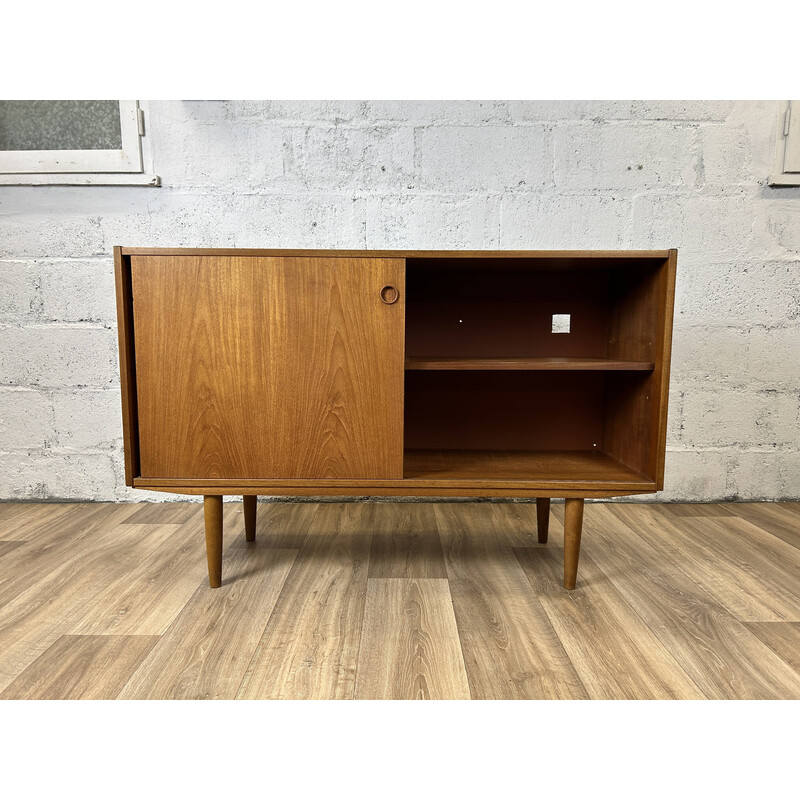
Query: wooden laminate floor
400	600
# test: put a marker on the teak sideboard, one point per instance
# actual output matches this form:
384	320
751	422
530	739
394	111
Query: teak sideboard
423	373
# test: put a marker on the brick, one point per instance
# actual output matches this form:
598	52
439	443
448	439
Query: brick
691	476
169	218
774	356
226	155
47	476
625	156
565	222
352	158
312	220
778	226
475	158
164	113
78	291
49	355
675	416
557	110
428	112
19	291
742	418
85	420
703	228
741	294
765	476
727	156
46	233
295	111
704	110
431	222
26	419
716	354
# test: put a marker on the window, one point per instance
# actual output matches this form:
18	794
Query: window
74	142
786	168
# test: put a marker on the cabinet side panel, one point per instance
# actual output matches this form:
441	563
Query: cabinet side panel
632	399
268	367
130	431
661	373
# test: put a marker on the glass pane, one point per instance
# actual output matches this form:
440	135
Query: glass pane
60	125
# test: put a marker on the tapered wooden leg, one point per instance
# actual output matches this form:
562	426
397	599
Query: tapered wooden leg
250	501
212	505
542	518
573	523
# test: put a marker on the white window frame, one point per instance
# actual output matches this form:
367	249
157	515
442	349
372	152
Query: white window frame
786	166
130	165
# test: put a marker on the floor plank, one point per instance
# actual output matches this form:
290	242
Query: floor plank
280	525
21	521
206	650
516	524
33	620
782	638
747	571
58	540
773	518
81	668
613	650
309	649
719	653
696	509
511	650
409	646
405	542
165	513
6	546
149	598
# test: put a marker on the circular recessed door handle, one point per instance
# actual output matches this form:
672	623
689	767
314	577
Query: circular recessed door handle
389	295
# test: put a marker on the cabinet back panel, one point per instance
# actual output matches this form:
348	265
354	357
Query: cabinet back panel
485	314
504	410
273	367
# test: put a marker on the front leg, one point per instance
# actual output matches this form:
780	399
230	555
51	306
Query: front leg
212	506
573	523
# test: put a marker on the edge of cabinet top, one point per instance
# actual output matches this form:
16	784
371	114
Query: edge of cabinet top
659	255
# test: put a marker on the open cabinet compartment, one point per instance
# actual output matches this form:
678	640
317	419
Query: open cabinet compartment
492	391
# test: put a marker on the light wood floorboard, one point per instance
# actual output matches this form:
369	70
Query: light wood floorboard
724	659
781	637
405	542
749	572
400	600
310	645
614	651
409	646
151	596
774	518
205	652
511	650
33	620
81	668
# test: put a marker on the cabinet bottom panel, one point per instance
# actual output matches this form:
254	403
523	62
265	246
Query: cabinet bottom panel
453	473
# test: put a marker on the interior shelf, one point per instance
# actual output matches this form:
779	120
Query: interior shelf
541	363
517	465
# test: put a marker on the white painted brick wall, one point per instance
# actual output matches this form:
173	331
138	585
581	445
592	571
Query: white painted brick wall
404	174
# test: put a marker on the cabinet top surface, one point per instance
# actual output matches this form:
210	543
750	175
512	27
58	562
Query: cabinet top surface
550	254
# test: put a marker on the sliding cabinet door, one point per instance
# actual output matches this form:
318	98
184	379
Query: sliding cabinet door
251	367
